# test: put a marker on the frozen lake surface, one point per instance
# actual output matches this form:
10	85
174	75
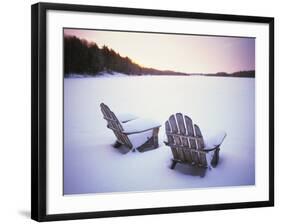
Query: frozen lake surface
93	165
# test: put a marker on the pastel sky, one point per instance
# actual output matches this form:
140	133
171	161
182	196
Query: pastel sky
182	53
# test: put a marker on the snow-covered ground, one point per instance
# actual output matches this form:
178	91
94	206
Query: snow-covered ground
93	165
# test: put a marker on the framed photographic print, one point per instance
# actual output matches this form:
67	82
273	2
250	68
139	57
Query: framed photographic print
140	111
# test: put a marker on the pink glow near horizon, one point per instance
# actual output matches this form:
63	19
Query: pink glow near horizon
182	53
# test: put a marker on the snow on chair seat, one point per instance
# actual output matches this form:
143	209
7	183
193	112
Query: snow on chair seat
133	132
139	125
125	117
187	144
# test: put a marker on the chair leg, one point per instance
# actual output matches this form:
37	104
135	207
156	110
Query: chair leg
174	163
216	157
117	144
155	138
151	143
156	144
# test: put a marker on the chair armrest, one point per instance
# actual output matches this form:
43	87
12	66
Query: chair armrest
214	142
210	149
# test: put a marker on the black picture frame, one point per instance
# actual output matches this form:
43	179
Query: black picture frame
39	110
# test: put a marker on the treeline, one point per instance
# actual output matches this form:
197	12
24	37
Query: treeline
239	74
83	57
249	74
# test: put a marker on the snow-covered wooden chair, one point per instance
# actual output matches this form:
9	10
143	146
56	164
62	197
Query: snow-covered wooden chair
131	131
188	145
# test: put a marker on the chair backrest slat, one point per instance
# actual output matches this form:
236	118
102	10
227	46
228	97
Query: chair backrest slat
180	122
189	126
173	124
175	129
200	142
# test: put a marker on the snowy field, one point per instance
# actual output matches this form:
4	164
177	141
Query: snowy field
93	165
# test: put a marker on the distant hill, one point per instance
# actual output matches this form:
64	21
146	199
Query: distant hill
86	58
240	74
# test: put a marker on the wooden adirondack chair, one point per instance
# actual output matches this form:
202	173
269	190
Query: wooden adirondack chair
187	144
128	127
